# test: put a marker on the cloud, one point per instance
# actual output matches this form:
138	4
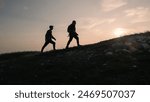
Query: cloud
90	23
139	14
109	5
26	8
97	26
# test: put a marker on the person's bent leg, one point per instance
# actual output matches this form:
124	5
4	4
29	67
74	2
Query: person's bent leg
54	46
46	43
69	41
52	42
77	39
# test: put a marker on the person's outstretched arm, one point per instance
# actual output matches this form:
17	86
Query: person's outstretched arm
53	37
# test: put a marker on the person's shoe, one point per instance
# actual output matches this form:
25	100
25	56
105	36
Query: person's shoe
67	47
79	45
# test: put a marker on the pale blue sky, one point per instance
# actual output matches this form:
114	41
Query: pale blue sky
23	23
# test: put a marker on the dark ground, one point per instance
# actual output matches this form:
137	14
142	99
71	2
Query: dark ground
119	61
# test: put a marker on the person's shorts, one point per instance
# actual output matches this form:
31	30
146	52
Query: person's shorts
73	34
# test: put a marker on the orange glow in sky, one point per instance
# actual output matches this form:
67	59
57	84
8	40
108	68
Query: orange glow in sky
23	23
118	32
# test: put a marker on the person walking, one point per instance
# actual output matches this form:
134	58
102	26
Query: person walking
72	33
48	38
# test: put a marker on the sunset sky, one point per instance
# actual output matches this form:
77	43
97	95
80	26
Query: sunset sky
23	23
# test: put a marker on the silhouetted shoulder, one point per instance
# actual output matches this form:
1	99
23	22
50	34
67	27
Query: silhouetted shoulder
71	28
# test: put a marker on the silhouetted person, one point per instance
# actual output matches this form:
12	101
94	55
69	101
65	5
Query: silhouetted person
48	38
72	33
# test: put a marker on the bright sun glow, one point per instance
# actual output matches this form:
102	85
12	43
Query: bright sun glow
118	32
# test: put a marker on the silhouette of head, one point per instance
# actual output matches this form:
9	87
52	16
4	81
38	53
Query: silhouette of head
73	22
51	27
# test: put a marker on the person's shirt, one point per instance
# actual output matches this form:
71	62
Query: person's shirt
49	35
71	28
